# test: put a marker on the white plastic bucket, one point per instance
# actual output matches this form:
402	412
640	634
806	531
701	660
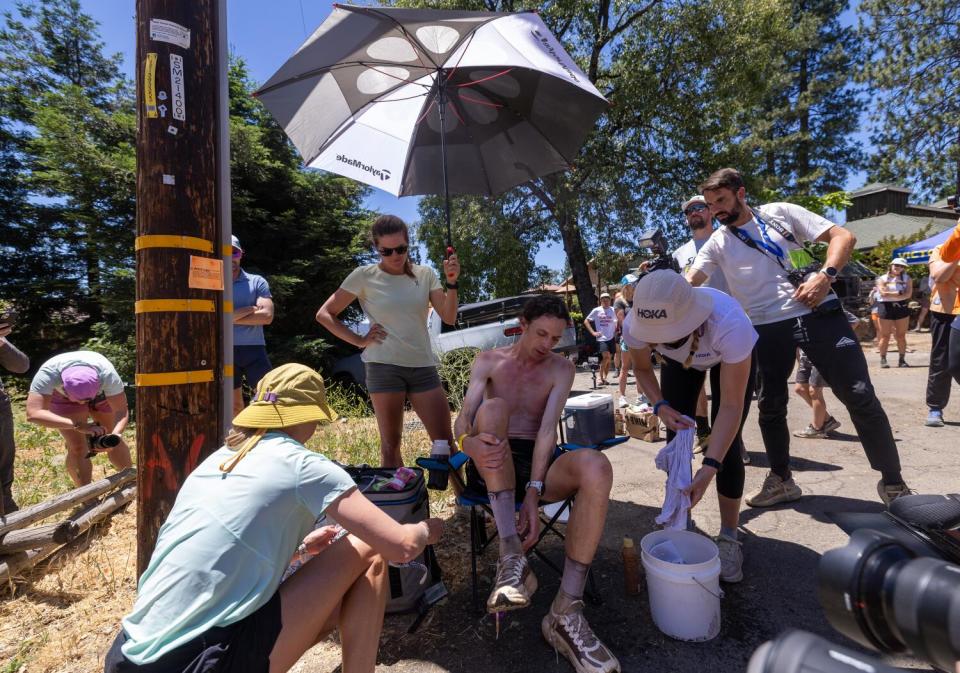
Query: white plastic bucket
684	597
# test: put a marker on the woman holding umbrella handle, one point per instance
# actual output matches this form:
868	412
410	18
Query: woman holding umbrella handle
397	354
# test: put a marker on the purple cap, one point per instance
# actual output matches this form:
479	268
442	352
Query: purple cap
80	382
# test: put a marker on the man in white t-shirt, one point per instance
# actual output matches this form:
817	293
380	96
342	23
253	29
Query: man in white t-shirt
697	214
760	252
603	329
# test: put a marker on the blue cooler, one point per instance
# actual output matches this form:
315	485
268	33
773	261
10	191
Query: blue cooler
588	419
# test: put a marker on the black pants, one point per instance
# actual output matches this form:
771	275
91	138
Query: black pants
831	345
682	388
8	450
953	362
938	379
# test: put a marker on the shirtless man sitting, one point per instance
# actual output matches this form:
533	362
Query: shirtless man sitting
508	427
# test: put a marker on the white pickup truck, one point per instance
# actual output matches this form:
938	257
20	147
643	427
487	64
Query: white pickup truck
485	325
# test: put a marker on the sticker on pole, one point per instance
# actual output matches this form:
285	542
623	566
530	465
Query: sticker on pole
168	31
206	273
150	84
178	100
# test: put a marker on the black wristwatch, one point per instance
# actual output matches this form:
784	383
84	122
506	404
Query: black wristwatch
713	462
830	272
452	286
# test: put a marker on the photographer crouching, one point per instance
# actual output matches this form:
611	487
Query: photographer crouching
790	303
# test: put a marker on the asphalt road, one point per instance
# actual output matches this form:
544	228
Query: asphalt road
782	546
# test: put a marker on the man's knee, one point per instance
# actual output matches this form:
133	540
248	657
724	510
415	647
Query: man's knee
77	445
594	471
492	412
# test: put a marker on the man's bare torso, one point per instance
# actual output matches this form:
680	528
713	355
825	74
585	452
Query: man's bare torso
524	386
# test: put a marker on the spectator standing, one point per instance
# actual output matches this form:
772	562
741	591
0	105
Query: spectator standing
252	309
925	286
760	252
601	322
944	307
398	357
894	289
621	307
66	393
12	359
700	222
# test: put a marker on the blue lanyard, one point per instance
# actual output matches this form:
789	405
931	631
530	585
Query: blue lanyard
767	243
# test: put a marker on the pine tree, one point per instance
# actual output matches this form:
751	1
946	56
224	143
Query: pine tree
914	68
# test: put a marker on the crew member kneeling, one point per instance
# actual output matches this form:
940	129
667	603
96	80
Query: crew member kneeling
695	330
211	598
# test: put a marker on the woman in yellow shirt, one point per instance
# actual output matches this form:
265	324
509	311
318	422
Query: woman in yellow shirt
398	358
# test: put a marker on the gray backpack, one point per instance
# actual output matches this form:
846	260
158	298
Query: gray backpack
414	586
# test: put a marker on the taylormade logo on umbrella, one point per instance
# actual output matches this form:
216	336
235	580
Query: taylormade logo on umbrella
542	39
381	173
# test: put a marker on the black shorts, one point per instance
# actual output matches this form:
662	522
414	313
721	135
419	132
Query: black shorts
522	452
607	346
386	378
893	310
250	362
241	647
808	374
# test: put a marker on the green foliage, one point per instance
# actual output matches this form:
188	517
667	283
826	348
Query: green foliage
913	61
454	371
878	259
347	401
121	354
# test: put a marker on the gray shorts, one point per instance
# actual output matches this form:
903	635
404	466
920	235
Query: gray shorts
384	378
807	373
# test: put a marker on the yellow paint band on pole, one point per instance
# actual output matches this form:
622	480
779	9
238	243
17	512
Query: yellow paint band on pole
228	370
228	251
178	305
150	85
228	307
173	241
175	378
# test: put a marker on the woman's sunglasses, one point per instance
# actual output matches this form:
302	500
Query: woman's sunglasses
388	252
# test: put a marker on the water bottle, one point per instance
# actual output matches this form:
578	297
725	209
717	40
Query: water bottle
631	567
440	452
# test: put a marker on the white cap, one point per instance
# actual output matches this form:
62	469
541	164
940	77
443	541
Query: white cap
236	243
693	199
629	279
604	294
899	261
666	308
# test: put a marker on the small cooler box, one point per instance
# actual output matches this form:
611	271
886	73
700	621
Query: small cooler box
588	419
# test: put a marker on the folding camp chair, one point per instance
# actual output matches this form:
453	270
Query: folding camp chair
480	539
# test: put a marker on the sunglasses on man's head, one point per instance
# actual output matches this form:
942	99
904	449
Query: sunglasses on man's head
695	208
388	252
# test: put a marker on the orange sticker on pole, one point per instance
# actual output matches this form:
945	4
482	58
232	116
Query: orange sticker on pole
206	273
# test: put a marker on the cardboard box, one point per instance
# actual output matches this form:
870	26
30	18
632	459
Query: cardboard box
644	426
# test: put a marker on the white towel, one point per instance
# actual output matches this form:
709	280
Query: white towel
675	459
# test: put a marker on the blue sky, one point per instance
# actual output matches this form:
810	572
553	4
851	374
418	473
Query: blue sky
265	34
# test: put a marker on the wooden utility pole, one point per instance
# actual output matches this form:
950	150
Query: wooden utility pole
180	245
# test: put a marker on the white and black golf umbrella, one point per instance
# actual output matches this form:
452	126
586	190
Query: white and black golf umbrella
419	101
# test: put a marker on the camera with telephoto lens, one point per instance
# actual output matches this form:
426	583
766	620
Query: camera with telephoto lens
655	242
798	277
101	443
895	588
952	203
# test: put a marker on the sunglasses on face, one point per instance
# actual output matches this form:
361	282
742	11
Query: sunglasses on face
388	252
695	208
237	254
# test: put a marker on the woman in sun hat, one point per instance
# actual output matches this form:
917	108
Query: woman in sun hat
894	289
80	394
695	330
211	598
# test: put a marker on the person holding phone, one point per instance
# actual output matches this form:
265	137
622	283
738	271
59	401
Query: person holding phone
398	357
81	395
13	360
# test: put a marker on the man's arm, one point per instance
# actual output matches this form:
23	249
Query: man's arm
11	358
950	250
261	314
121	412
696	277
546	442
840	244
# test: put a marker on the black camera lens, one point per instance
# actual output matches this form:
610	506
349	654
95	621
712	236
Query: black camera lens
801	652
104	442
878	593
